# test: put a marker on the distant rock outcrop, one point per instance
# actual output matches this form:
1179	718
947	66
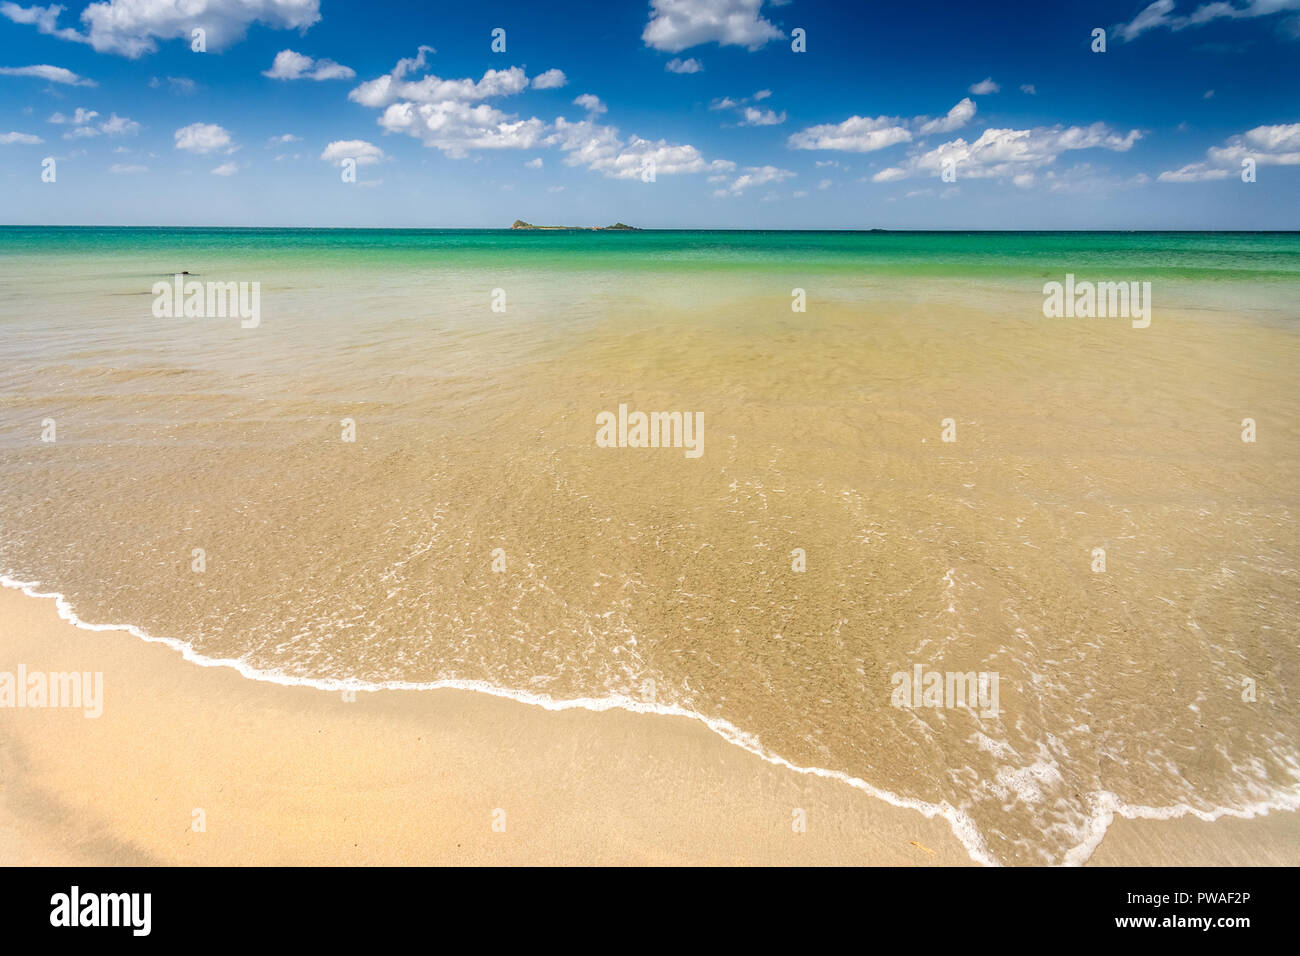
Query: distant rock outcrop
520	224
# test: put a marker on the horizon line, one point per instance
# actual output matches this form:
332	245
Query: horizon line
870	229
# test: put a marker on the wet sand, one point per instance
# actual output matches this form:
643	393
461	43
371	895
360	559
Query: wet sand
295	775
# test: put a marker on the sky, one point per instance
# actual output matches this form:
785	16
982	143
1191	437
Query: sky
738	114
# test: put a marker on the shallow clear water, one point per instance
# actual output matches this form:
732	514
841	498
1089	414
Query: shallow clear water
667	581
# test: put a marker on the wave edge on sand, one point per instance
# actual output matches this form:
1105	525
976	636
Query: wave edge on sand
1106	804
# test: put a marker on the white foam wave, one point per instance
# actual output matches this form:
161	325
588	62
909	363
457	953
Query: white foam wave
1105	803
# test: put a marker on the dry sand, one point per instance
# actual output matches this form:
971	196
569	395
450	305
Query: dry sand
294	775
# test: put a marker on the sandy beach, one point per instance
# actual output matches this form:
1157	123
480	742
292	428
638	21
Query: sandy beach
694	433
294	775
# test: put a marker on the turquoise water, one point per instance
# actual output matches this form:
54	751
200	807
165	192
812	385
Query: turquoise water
1259	257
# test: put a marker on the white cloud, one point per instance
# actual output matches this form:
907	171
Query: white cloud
182	85
81	121
119	126
984	87
1277	145
1083	178
120	169
45	19
225	169
202	138
676	25
601	149
534	163
678	65
23	139
1028	88
286	138
1155	15
455	128
1280	143
550	80
1193	173
857	134
751	115
1012	154
447	114
393	87
55	74
1161	14
289	65
957	117
754	176
365	154
757	117
133	27
329	70
865	134
591	104
79	117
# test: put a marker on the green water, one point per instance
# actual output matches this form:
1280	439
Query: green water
1200	256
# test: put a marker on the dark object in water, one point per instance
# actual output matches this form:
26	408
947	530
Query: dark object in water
617	227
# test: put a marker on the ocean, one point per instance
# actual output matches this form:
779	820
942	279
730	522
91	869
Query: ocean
394	477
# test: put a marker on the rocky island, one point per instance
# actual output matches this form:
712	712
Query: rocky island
520	224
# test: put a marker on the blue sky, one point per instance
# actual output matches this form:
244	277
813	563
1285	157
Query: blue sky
1036	130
